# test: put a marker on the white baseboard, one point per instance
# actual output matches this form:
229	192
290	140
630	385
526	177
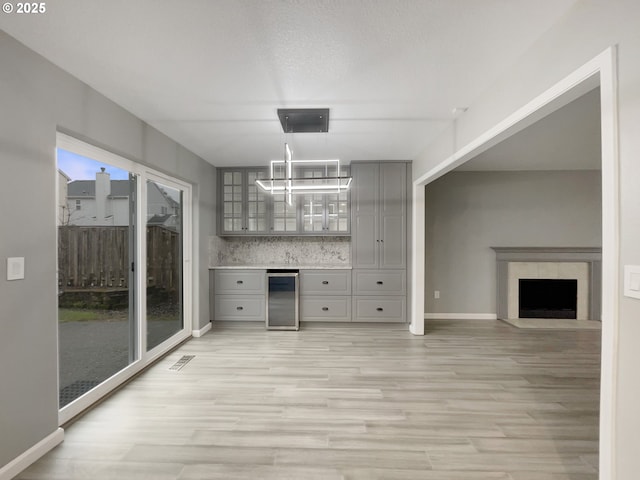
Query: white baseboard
202	331
21	462
460	316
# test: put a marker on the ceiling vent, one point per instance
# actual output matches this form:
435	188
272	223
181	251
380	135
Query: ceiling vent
304	120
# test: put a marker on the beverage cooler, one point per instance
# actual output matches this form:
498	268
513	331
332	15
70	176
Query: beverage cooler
282	300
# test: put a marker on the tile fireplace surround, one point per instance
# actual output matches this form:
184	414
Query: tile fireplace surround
581	263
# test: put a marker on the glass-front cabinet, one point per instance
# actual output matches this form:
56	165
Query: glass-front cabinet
232	192
256	203
325	213
338	213
243	204
284	219
244	209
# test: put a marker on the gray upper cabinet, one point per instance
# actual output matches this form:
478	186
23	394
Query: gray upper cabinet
324	213
284	220
243	209
379	215
242	206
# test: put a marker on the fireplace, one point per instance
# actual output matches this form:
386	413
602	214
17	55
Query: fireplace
536	266
548	298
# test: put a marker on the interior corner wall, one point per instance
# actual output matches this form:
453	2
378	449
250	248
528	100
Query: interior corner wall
36	99
587	30
467	213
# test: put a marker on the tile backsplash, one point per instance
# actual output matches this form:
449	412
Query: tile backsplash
279	251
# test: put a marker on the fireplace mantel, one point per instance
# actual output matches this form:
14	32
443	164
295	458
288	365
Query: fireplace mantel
592	256
548	254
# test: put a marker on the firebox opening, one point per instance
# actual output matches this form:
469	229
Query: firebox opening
548	298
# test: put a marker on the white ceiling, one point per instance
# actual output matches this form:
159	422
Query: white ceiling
211	73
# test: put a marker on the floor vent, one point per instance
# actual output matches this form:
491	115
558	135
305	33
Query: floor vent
182	362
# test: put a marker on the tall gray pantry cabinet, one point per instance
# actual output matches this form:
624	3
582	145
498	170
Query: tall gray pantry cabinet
379	209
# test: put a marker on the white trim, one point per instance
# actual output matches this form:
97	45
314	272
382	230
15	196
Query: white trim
603	68
18	464
608	67
67	142
202	331
416	312
460	316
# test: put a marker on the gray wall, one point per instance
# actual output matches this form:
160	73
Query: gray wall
469	212
36	98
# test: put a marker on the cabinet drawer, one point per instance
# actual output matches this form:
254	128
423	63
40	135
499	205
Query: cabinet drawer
379	309
379	282
240	307
325	309
236	282
325	282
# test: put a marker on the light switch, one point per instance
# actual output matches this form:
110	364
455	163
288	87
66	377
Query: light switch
632	281
15	268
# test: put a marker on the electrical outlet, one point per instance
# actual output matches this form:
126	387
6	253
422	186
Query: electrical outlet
436	294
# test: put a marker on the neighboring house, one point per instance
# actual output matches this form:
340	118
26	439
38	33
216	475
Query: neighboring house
167	220
104	202
161	205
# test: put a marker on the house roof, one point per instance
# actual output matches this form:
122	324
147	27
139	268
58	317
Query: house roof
164	219
87	188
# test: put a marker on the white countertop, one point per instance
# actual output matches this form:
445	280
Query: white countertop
281	267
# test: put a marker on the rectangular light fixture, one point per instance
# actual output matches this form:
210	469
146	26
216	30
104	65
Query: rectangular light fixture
301	185
285	183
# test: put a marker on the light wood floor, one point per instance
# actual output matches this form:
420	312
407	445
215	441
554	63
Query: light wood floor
471	400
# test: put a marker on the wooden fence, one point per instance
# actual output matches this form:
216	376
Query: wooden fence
98	257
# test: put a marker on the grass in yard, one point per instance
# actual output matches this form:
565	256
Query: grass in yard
86	315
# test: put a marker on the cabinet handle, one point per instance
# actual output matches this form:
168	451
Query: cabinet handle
325	282
380	282
380	309
325	309
381	241
239	282
239	308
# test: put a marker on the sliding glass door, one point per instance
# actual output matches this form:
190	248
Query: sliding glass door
96	292
164	262
124	270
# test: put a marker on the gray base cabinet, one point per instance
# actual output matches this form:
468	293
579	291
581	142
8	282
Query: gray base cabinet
325	295
240	307
325	309
379	296
379	309
239	295
380	282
